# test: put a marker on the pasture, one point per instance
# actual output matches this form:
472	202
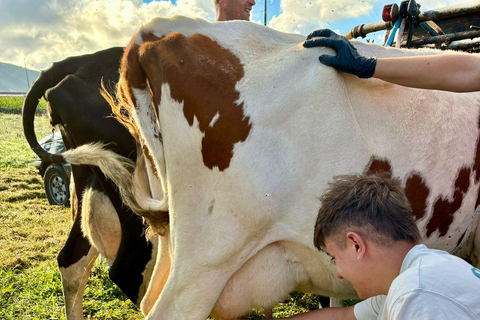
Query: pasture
32	232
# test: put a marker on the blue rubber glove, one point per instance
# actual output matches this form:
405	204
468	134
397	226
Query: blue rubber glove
347	59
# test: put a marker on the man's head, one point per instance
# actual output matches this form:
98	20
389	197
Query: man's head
373	206
366	223
233	9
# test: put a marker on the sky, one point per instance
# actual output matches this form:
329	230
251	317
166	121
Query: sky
37	33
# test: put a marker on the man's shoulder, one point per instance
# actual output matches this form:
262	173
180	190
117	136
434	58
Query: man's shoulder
433	272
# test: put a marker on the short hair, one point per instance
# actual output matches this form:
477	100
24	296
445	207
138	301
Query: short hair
373	205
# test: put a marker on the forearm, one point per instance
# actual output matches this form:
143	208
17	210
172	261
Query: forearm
327	314
459	73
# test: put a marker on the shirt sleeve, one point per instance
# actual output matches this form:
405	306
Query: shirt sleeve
369	309
426	305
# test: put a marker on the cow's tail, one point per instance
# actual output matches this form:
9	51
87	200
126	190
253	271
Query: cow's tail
121	171
47	79
132	106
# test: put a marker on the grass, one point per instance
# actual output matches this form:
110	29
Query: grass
14	105
32	232
36	293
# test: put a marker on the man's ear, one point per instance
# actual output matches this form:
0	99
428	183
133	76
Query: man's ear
355	241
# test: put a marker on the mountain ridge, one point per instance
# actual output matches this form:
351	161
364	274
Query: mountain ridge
13	78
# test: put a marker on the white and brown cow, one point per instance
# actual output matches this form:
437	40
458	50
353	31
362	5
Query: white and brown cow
246	128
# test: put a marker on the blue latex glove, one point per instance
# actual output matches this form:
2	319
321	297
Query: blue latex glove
347	59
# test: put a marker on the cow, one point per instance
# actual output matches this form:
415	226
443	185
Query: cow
101	223
245	129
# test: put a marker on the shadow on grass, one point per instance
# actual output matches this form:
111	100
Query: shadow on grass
26	196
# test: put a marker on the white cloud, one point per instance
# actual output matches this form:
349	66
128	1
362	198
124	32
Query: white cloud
303	16
44	31
436	4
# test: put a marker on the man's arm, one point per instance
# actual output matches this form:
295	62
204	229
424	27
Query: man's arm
450	72
327	314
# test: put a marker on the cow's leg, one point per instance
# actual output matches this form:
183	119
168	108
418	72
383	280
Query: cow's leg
75	262
196	280
77	256
160	274
100	223
133	263
74	279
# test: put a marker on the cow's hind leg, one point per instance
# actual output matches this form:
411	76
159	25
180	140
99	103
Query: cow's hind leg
196	280
205	256
117	233
160	273
133	264
75	262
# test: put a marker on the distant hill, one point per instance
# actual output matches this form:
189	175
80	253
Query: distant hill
14	79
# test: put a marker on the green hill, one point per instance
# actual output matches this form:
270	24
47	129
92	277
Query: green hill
14	79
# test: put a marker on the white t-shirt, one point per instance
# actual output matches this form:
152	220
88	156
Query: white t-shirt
432	284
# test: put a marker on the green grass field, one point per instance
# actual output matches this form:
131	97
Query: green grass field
14	105
32	232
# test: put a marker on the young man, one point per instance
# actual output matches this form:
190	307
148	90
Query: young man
233	9
450	72
366	225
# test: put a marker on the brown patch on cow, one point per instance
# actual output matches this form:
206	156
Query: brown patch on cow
463	180
148	36
149	158
202	75
379	166
416	189
417	193
130	70
444	209
131	76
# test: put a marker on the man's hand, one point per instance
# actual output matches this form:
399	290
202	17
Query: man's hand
347	58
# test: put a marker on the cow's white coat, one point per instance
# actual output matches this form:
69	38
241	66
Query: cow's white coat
309	123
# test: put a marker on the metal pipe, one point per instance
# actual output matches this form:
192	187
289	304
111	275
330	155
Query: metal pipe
364	29
447	37
265	15
437	14
449	12
461	46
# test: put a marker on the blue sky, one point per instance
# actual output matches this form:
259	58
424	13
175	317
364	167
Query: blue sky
40	32
273	9
342	25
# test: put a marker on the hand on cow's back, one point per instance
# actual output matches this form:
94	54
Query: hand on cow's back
347	59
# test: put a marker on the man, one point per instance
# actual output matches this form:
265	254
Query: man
233	9
366	225
450	72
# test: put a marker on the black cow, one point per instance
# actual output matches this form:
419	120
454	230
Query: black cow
101	222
